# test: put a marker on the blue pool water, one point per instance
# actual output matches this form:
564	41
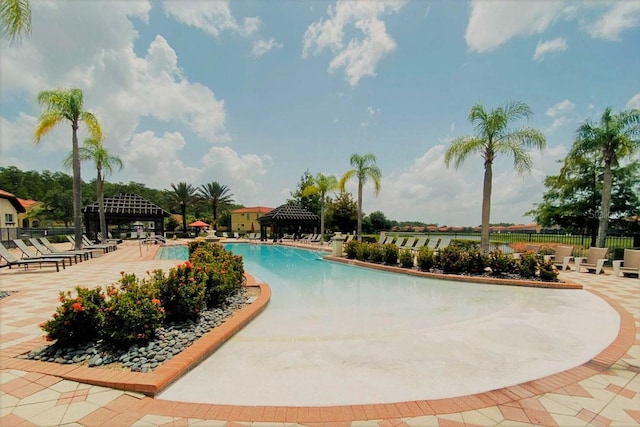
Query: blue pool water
180	252
335	334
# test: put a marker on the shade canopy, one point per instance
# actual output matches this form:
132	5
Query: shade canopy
198	224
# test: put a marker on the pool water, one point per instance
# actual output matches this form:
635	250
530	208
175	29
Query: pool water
180	252
336	334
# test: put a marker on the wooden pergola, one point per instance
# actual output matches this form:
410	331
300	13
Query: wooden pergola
124	209
291	219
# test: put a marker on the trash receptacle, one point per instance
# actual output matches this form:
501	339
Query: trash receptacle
338	239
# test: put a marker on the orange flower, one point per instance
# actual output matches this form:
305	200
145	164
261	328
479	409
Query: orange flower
188	264
54	315
156	301
77	306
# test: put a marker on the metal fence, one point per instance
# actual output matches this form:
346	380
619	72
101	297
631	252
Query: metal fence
7	234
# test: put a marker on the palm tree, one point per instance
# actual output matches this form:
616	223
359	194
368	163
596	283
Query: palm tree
15	16
94	150
322	184
61	105
182	195
364	168
219	197
493	137
616	138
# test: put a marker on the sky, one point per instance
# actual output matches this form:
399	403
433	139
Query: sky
252	94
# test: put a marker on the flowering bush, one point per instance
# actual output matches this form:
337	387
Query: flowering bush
528	264
451	259
501	263
77	319
548	272
181	291
133	311
476	262
223	272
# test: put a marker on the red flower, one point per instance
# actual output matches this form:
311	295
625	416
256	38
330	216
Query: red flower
77	306
156	301
188	264
54	315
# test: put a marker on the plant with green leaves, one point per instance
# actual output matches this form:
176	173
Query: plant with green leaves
425	259
391	253
181	196
105	163
218	197
67	105
406	258
364	169
493	137
15	17
616	137
321	186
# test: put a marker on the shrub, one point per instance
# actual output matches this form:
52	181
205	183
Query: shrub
476	262
466	244
351	249
376	253
362	253
133	312
528	264
391	253
78	319
548	272
451	260
406	258
425	259
501	263
222	272
182	291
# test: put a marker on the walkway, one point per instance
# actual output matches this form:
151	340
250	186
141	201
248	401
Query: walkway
604	391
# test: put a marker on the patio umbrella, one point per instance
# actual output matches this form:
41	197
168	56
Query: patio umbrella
198	224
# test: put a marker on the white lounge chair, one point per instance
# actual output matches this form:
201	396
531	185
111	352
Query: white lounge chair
629	265
562	256
595	259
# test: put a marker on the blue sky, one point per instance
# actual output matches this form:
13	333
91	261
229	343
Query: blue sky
253	93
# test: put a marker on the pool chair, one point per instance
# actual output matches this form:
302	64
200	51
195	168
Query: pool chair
594	261
236	235
399	242
29	254
408	244
72	240
422	241
433	243
629	265
388	240
11	260
444	242
52	249
562	256
43	250
112	246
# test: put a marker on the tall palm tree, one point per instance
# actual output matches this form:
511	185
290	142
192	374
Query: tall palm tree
218	196
62	105
493	137
616	138
364	168
322	185
105	163
182	195
15	17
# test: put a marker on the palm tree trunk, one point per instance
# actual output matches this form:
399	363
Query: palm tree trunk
77	188
605	205
183	210
359	230
215	216
101	215
322	220
486	207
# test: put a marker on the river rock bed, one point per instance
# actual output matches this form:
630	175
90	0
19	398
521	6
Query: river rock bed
170	340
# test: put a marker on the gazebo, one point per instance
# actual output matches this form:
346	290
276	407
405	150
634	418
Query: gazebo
291	219
125	209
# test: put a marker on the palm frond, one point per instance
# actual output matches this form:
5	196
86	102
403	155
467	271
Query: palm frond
46	123
15	16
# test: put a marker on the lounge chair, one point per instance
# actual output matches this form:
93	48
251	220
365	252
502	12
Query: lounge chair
29	254
236	235
349	238
112	246
595	259
629	265
399	242
104	248
562	256
52	249
433	243
422	241
225	234
527	249
42	249
110	239
444	242
388	240
408	244
382	238
11	260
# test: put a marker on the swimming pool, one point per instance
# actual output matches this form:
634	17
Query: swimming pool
172	252
336	334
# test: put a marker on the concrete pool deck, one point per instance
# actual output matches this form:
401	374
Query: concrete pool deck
603	391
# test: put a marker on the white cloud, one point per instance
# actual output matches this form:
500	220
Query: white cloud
634	102
212	17
492	23
359	57
560	113
543	48
622	16
262	47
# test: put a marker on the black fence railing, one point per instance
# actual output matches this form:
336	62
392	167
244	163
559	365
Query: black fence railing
8	234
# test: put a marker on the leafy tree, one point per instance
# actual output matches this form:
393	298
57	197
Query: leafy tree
321	186
67	105
181	196
378	221
342	213
616	137
310	202
493	137
364	169
93	150
15	17
218	197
